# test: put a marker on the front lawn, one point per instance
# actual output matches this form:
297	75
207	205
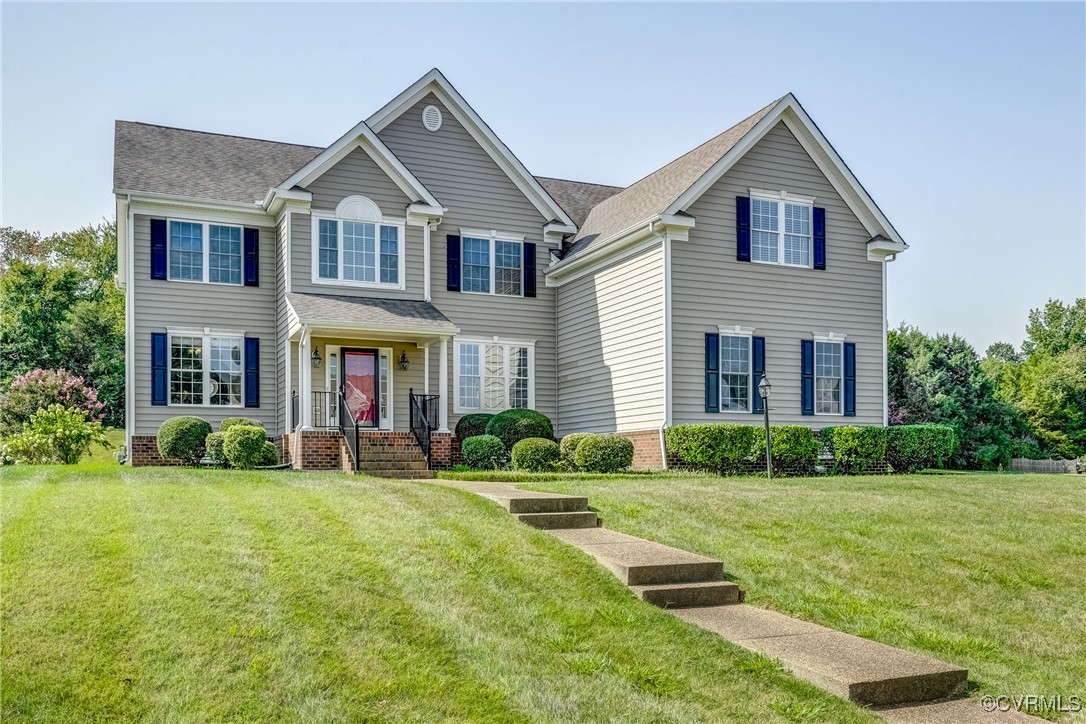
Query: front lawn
201	595
985	571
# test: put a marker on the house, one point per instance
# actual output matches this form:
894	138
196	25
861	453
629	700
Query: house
360	298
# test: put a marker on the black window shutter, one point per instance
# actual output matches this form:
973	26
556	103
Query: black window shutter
252	257
742	228
529	270
159	356
452	262
252	372
158	250
758	353
819	238
850	379
806	394
712	373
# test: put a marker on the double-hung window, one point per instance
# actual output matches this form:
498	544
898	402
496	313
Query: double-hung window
206	369
491	264
494	375
828	376
357	247
735	373
200	251
780	229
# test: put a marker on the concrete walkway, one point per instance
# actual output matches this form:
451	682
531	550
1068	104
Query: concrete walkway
901	686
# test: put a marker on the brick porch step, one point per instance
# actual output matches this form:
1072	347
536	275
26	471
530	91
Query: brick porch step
399	474
375	465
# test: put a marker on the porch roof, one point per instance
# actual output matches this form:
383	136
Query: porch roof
362	314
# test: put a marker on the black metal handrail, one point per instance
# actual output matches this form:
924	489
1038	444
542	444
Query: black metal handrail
325	409
423	408
348	426
293	410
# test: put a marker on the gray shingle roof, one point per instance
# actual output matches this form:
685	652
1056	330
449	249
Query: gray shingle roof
159	159
576	197
657	191
370	314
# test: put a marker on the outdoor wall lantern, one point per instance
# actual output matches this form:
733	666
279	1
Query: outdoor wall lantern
403	360
316	358
764	388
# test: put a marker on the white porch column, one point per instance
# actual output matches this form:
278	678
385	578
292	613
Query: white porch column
305	382
443	385
289	388
426	368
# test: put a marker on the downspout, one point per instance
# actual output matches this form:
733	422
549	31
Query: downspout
426	259
885	346
129	328
665	249
301	411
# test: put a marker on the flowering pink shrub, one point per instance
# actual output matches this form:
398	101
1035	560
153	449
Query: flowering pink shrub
37	390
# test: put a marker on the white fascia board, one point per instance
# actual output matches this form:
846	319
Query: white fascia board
880	248
120	279
362	136
436	83
202	209
426	210
277	199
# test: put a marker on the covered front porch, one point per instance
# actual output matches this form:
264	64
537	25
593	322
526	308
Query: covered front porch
372	370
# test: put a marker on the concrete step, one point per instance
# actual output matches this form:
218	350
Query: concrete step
857	669
641	563
401	474
549	521
524	501
687	595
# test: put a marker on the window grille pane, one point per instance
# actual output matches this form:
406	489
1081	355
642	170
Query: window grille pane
390	255
735	393
763	215
225	371
329	250
507	267
494	377
475	265
384	388
828	366
359	251
763	246
186	251
224	254
186	371
469	376
797	234
518	377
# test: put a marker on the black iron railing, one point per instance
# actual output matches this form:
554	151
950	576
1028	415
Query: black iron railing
325	409
348	426
423	411
293	410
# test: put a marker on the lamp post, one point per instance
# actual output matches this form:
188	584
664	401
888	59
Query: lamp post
764	389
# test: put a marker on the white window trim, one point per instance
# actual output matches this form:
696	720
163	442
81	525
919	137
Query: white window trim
205	335
205	247
781	198
399	224
735	331
506	344
388	423
839	340
494	237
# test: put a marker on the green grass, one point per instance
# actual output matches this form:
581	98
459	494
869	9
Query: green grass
200	595
986	571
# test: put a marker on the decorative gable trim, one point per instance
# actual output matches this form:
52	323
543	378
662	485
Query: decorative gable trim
791	113
436	83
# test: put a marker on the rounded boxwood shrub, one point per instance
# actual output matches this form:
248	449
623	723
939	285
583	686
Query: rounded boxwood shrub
214	445
912	448
512	426
183	438
536	454
229	422
269	456
603	454
483	451
243	446
567	448
795	449
472	425
721	448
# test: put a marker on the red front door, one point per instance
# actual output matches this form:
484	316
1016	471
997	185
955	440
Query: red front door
361	386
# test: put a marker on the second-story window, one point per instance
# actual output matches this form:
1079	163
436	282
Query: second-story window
780	230
358	247
491	264
199	251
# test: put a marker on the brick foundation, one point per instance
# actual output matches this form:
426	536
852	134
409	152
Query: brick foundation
317	449
145	452
646	444
445	451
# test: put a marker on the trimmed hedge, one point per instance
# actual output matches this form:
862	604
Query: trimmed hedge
214	445
244	446
722	448
603	454
229	422
912	448
512	426
567	448
536	454
472	425
856	449
795	449
183	438
483	451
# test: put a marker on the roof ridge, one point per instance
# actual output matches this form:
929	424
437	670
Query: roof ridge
221	135
586	183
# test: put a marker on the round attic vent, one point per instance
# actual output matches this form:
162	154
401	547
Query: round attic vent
431	118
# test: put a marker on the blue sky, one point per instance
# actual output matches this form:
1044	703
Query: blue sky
966	122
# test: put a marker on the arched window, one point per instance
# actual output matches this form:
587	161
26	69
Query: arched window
357	246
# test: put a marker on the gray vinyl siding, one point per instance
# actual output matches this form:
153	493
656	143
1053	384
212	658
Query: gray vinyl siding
611	347
478	195
355	175
160	304
784	305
